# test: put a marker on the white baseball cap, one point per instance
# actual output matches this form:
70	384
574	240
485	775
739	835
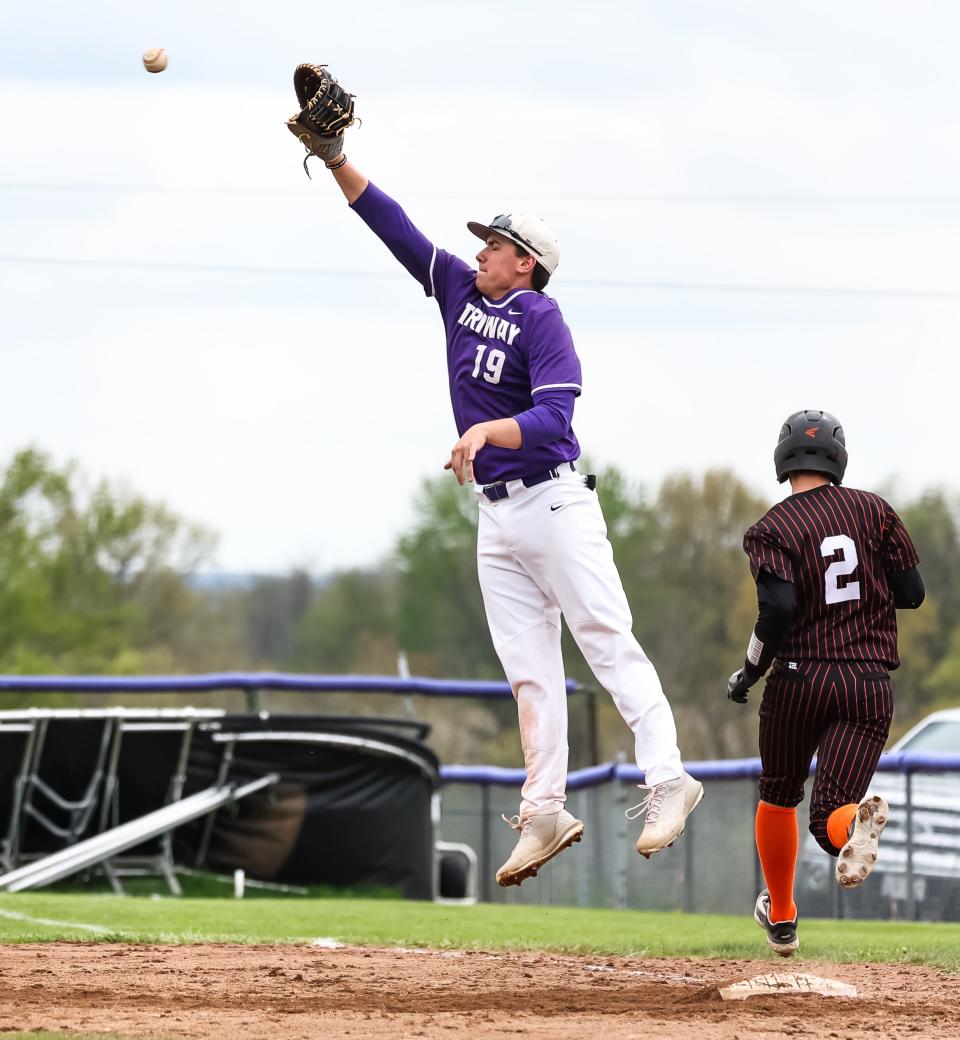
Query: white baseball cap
532	233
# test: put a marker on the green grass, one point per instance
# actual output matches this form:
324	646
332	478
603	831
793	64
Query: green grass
213	886
382	922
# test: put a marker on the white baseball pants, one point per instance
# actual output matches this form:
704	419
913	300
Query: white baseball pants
543	552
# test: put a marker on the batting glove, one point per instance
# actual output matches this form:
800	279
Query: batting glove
737	686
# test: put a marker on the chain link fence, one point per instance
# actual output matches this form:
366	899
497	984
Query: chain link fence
713	867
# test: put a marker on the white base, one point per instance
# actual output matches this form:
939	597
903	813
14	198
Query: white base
782	984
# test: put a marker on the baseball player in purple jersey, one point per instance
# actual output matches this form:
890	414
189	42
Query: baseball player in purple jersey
542	548
832	566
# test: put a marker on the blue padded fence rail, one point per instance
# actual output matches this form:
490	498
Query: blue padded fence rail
726	769
259	681
211	682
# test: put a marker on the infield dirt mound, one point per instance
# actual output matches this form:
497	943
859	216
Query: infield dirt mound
222	992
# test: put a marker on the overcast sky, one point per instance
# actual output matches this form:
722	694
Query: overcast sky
692	158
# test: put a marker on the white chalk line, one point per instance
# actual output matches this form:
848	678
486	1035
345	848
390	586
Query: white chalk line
97	929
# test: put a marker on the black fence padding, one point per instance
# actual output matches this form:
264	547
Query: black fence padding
343	817
340	816
145	771
12	746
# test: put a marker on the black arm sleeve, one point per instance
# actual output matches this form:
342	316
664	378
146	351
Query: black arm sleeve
907	588
776	602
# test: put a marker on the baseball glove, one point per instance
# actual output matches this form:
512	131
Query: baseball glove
326	110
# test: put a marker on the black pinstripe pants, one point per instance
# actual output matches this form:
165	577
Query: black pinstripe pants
841	712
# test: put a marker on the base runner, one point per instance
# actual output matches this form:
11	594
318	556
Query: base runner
832	566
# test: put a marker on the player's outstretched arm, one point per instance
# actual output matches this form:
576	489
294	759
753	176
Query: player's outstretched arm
352	182
326	113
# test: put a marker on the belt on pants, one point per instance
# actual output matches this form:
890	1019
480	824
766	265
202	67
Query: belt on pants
498	491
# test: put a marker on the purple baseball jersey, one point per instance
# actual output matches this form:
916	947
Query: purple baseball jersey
504	357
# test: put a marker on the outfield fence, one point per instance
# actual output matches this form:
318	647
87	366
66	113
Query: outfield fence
712	867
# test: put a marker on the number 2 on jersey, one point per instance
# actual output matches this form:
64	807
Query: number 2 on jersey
833	593
494	365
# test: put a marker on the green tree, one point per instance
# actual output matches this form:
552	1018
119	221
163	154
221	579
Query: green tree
695	624
350	626
91	579
440	619
932	521
942	686
275	609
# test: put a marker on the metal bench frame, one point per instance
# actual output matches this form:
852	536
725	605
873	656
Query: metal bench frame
103	789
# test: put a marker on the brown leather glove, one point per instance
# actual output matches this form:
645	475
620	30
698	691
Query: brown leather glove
326	110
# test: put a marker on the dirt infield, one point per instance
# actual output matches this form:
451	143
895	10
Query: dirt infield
305	993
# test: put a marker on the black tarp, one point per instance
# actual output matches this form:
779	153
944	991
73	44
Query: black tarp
341	816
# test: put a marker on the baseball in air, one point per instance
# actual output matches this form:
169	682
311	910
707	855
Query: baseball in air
155	59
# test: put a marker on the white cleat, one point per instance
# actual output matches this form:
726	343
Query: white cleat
667	807
541	838
858	857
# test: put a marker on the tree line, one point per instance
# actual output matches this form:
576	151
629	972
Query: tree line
95	579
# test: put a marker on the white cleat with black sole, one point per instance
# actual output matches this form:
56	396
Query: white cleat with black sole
858	857
781	935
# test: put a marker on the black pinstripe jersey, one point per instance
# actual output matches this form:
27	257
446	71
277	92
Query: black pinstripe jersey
836	545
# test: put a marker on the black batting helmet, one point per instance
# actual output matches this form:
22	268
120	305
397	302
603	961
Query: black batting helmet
811	442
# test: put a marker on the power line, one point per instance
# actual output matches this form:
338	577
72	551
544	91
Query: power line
669	198
863	292
188	268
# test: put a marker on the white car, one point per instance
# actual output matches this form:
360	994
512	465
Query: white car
934	820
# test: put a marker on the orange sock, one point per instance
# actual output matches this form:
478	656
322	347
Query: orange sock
838	824
778	842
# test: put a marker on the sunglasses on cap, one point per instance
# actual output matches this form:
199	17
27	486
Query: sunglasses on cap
503	223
